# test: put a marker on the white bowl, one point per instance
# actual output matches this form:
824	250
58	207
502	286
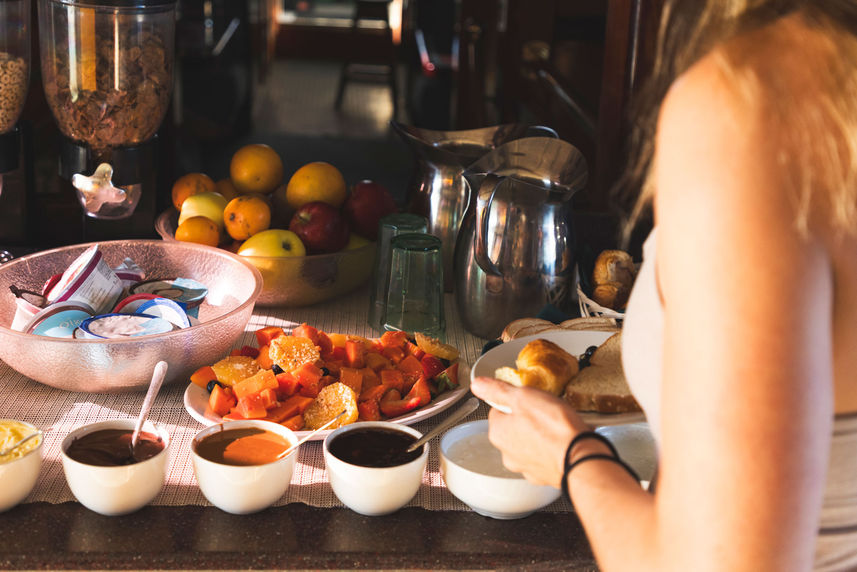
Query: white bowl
636	446
502	497
244	489
18	476
374	491
116	490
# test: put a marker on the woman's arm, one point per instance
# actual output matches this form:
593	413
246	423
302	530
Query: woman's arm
747	388
746	397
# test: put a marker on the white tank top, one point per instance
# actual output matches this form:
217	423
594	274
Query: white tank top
642	339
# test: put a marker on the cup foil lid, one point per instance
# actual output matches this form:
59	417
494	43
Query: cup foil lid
110	326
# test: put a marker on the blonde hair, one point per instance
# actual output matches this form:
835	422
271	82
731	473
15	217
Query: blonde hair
821	144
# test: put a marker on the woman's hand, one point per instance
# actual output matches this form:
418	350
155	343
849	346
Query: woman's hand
534	436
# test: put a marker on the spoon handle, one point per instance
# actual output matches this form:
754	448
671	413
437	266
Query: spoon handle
309	435
14	446
154	386
469	407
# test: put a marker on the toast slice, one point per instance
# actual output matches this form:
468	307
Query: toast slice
602	387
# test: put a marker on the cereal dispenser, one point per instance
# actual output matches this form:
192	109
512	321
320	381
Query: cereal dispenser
14	81
107	70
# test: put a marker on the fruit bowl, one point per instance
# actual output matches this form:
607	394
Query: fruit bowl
295	281
126	364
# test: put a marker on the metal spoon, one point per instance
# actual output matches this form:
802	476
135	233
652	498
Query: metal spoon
309	436
154	386
469	407
14	446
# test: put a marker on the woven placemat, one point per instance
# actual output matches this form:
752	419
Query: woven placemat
60	412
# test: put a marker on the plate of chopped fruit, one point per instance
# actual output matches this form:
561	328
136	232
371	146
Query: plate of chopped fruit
305	378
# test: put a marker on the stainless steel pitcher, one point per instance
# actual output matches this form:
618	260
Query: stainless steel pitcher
515	249
438	190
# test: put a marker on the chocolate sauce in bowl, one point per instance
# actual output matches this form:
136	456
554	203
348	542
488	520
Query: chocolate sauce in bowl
374	447
112	448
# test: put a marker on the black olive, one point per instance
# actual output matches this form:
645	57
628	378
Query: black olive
211	384
490	345
276	369
445	362
325	371
590	350
583	361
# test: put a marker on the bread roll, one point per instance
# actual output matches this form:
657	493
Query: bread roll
513	328
612	279
602	387
541	364
613	295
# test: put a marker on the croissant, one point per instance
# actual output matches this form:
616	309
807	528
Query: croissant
541	364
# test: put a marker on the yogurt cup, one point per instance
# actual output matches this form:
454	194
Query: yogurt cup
130	304
59	320
185	291
110	326
167	309
89	279
27	305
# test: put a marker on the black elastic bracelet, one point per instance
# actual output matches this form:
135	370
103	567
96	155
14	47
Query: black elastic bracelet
588	435
592	457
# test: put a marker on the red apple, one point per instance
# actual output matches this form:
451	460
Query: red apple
321	227
364	207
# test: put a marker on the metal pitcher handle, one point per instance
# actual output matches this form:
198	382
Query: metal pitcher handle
483	208
541	131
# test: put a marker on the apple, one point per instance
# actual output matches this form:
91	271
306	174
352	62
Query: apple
274	243
321	227
210	205
366	204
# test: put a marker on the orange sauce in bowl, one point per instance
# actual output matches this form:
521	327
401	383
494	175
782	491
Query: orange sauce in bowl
242	447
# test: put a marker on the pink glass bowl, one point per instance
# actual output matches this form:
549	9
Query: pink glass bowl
126	364
298	281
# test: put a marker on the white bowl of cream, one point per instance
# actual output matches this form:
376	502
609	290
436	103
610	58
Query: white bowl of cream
473	471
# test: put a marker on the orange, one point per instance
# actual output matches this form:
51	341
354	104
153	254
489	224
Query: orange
256	168
226	188
190	184
246	215
198	229
317	181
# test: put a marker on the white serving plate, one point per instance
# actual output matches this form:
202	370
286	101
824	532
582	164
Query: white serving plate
574	342
196	400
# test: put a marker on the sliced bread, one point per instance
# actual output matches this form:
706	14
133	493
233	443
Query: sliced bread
602	386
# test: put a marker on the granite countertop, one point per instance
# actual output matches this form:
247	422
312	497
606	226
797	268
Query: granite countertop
68	536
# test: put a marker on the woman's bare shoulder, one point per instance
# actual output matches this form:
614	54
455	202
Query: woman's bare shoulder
734	110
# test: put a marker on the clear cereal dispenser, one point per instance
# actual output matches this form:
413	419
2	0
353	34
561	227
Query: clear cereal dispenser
14	78
15	139
107	70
